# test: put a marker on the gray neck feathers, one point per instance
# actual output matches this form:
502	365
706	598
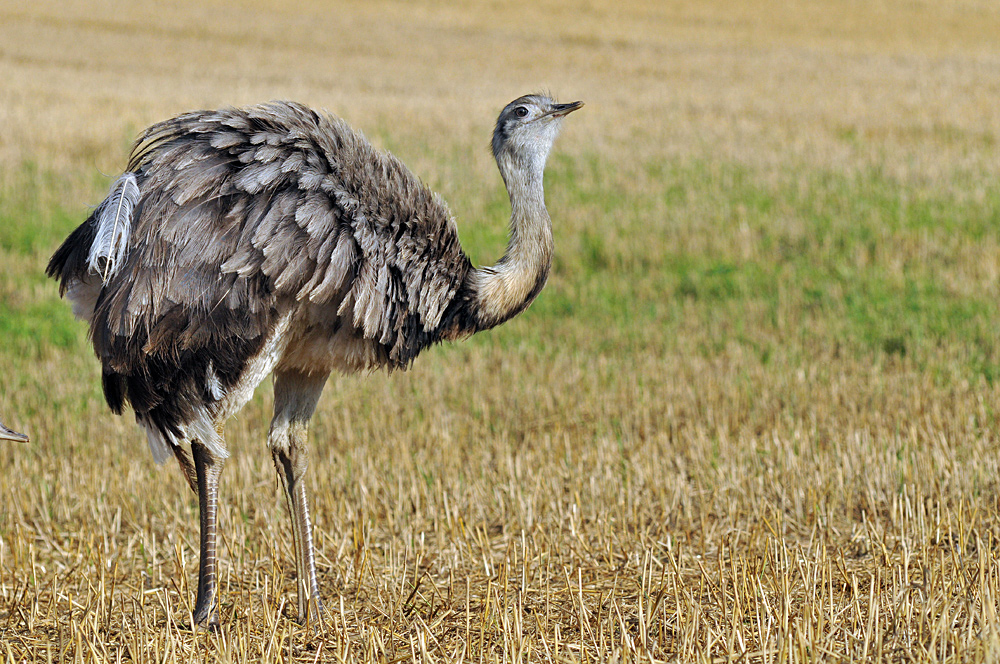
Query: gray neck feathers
506	289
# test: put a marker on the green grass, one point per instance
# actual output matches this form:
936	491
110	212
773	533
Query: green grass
793	262
33	222
790	262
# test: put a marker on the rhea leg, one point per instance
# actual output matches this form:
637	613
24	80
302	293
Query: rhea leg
207	470
295	396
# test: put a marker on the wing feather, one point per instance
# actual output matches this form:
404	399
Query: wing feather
244	213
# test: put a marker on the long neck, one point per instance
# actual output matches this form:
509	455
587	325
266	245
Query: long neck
506	289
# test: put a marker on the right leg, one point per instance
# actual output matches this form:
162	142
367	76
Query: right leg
295	398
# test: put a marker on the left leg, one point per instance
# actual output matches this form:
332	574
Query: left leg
295	397
207	468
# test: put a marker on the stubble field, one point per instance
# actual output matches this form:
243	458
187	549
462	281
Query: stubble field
752	417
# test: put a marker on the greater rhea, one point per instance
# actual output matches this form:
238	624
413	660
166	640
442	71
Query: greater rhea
276	240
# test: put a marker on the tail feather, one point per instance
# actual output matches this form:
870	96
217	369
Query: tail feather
69	263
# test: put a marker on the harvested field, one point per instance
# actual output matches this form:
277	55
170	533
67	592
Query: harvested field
752	417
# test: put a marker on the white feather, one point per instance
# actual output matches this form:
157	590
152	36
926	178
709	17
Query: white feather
213	383
114	225
158	444
201	428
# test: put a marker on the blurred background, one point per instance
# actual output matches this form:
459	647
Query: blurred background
769	80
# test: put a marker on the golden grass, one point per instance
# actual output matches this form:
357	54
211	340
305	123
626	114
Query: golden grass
566	488
467	522
660	77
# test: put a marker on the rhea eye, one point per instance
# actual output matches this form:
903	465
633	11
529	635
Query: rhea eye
521	111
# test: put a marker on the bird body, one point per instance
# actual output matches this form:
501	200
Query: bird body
242	243
246	216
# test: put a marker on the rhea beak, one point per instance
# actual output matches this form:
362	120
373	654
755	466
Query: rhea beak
7	434
562	110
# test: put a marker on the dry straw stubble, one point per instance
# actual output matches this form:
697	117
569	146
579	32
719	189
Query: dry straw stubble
714	436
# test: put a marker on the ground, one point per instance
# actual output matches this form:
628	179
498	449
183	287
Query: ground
752	416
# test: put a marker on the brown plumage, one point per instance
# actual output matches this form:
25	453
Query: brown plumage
273	239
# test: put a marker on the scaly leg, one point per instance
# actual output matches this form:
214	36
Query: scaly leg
295	397
291	467
208	468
